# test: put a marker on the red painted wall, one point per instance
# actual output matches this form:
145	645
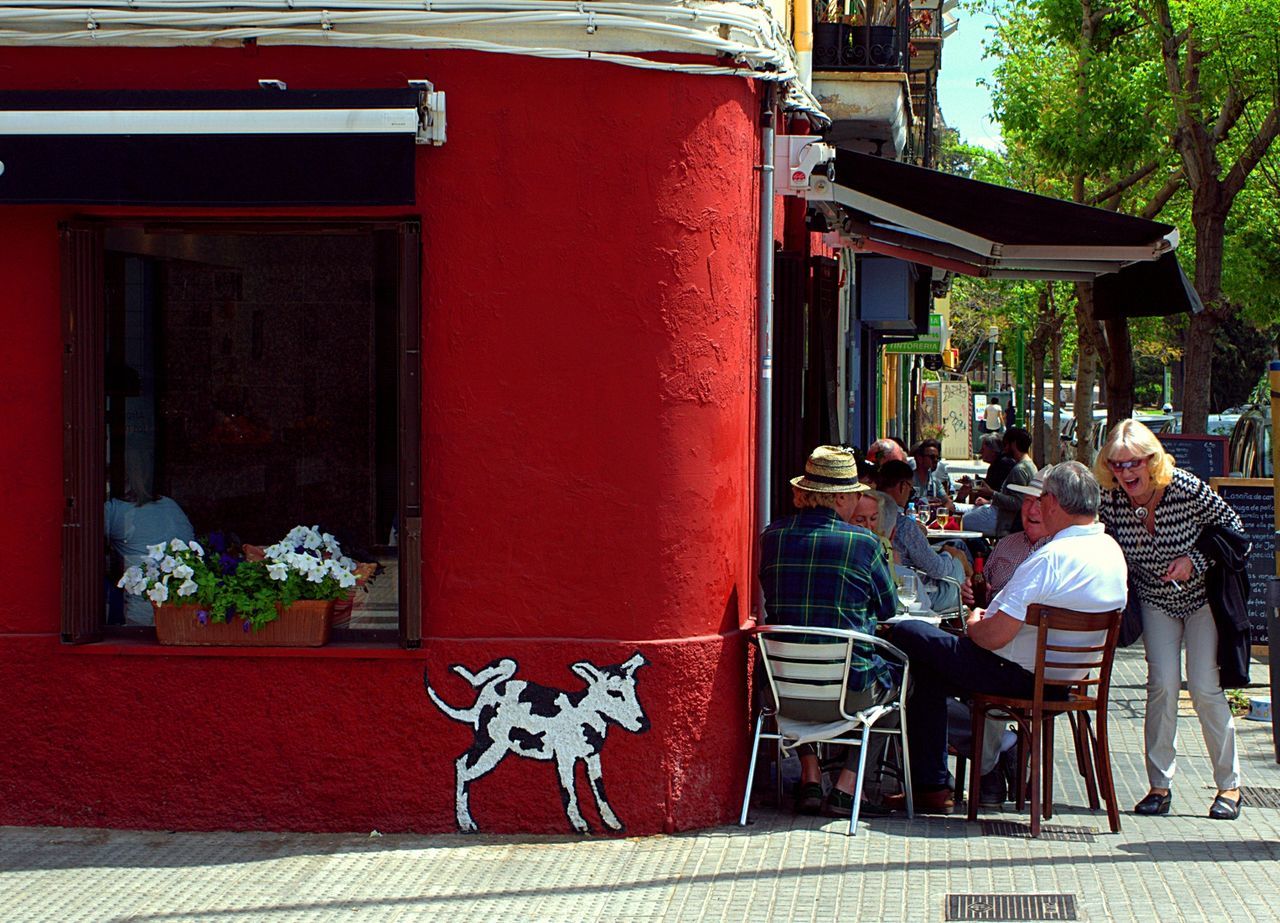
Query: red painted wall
588	427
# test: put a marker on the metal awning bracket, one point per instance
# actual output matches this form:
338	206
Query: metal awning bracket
431	115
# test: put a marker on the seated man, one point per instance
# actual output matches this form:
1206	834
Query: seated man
885	450
991	451
1014	466
817	569
911	546
998	769
930	482
1080	567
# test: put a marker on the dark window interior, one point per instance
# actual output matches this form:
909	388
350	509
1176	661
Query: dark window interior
256	374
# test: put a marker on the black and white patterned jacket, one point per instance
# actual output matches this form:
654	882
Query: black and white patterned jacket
1188	504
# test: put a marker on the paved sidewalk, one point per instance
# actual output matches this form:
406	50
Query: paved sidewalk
1182	867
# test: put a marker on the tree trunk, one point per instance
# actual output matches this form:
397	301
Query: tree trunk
1087	348
1197	358
1119	372
1055	450
1086	378
1197	372
1038	447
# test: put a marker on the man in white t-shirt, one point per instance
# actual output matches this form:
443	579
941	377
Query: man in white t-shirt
1080	567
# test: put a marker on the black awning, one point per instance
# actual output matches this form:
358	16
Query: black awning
257	147
981	229
1154	289
1009	218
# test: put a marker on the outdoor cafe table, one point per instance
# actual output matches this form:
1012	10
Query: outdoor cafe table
941	535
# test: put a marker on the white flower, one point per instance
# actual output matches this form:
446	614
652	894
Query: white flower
133	581
177	544
188	588
195	546
346	579
278	571
168	564
312	540
158	593
156	552
183	572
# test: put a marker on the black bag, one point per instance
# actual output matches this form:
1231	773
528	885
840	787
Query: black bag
1131	623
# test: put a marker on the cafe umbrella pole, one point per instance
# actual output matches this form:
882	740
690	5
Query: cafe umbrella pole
1273	592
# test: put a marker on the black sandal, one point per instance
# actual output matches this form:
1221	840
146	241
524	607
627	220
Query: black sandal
1154	804
1224	808
808	798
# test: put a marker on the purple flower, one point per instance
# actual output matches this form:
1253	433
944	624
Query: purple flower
202	616
217	541
246	625
228	563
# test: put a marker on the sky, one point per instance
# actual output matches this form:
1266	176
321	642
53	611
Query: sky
966	105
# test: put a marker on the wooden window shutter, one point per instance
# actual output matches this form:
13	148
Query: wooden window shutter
83	434
824	328
410	437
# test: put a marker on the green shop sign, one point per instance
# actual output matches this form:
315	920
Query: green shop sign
929	344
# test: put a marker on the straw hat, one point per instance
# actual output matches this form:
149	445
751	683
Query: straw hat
830	470
1036	487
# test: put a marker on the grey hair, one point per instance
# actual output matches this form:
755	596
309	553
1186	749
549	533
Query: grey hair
1074	487
993	441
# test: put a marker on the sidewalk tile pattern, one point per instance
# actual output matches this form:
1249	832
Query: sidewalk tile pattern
781	867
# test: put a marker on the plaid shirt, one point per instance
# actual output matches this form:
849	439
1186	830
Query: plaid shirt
817	570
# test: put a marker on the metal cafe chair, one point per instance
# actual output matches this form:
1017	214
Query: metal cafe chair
1079	698
807	678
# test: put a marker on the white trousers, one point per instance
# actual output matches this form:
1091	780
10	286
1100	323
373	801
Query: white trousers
1164	638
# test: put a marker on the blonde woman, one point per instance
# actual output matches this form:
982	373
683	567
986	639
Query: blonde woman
1155	511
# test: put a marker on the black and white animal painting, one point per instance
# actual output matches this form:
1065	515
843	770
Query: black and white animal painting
542	723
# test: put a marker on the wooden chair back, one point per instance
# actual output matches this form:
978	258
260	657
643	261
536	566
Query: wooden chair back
1093	649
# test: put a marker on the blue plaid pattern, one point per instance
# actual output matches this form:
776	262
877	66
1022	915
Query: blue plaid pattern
816	569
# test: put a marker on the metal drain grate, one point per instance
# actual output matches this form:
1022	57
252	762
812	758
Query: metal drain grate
1256	796
1047	831
1011	907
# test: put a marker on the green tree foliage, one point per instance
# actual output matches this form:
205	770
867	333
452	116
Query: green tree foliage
1165	109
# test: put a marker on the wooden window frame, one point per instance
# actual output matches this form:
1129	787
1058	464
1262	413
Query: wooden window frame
83	247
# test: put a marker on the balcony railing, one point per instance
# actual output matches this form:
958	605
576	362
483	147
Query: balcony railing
874	36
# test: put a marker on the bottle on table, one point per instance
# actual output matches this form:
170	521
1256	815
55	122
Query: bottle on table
978	583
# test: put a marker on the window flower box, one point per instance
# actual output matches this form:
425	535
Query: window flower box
281	595
304	623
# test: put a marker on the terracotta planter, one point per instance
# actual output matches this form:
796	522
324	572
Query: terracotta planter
306	623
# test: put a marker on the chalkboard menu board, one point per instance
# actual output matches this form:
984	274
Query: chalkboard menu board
1254	500
1203	456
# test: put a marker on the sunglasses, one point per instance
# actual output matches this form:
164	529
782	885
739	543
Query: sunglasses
1126	465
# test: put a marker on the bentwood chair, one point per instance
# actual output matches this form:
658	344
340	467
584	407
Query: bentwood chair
806	669
1065	640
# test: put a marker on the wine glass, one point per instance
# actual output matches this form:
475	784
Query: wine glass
908	590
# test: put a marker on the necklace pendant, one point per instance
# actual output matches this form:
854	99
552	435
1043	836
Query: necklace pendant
1141	513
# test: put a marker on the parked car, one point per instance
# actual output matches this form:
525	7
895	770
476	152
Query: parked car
1249	451
1156	422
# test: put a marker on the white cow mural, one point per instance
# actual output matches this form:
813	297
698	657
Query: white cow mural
542	723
